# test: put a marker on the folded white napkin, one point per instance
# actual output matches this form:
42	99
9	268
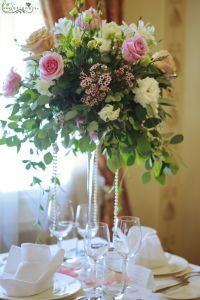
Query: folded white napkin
29	270
151	254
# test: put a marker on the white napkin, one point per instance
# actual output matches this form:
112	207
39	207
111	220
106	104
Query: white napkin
151	254
29	270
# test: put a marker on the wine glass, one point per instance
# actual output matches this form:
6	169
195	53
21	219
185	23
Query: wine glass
96	243
60	219
126	239
81	221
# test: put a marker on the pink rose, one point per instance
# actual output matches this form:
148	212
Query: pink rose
51	66
88	19
11	84
134	48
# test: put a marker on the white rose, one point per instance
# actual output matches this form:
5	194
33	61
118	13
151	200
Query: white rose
111	30
108	114
104	45
42	86
147	92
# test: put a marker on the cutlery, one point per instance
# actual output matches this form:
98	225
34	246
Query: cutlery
187	275
170	287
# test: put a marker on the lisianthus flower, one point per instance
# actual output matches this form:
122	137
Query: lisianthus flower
147	92
107	113
88	19
11	84
111	30
134	48
51	66
104	44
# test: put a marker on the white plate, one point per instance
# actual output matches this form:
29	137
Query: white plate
63	286
174	264
190	291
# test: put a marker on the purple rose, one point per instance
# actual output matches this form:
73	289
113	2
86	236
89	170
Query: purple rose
11	84
51	66
88	19
134	48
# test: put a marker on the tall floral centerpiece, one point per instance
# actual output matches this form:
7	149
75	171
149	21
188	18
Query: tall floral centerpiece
94	83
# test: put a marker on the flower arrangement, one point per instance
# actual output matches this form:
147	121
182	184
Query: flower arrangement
94	82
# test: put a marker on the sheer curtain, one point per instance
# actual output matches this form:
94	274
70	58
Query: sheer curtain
19	203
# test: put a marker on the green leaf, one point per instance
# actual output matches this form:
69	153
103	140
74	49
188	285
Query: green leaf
2	141
36	180
48	158
143	146
93	126
157	167
15	109
130	161
12	125
152	122
42	134
176	139
42	100
28	124
146	177
161	179
70	115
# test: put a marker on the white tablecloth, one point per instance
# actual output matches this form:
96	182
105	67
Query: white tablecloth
140	293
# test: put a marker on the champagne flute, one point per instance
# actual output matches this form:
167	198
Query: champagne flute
60	219
96	243
127	239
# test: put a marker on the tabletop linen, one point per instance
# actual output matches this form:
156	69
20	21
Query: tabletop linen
140	294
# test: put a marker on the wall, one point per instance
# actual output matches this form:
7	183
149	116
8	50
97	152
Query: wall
174	210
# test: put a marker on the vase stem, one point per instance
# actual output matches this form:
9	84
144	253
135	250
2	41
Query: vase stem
92	185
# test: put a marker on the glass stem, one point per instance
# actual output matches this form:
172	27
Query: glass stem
60	243
124	266
96	277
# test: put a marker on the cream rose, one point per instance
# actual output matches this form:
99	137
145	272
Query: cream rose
38	42
108	113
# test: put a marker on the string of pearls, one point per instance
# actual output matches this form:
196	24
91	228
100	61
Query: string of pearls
116	200
95	185
54	188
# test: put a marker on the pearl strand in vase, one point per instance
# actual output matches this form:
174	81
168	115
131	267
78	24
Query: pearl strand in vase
95	185
116	199
54	189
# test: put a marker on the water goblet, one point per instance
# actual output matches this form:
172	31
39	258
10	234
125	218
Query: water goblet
126	239
60	219
96	243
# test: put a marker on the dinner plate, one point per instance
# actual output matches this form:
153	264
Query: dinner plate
175	264
63	286
189	291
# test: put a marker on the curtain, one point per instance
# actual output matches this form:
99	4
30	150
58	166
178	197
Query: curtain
53	10
112	10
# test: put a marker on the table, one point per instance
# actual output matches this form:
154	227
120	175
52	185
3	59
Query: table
140	294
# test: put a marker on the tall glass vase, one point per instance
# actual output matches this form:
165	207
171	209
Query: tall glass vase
92	185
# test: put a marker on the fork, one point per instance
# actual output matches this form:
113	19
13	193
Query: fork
174	286
187	275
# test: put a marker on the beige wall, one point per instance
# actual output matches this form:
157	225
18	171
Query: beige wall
175	209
